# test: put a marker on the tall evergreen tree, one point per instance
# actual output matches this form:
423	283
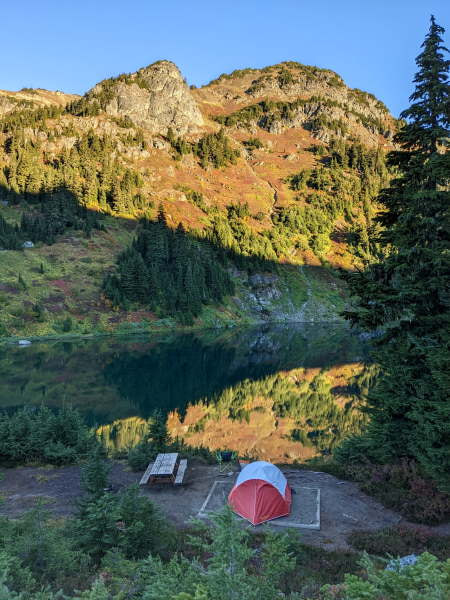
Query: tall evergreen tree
406	293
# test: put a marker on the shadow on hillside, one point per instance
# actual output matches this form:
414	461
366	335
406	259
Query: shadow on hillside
49	215
113	379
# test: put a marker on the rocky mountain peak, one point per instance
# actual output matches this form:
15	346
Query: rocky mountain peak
290	94
155	97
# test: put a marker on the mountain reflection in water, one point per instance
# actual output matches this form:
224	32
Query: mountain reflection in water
280	393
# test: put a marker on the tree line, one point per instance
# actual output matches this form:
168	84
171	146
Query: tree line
169	272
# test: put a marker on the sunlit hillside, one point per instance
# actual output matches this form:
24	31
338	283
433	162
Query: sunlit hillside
270	176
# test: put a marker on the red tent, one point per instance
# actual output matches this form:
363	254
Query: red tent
261	493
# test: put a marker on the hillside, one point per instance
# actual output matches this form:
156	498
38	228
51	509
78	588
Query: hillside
269	175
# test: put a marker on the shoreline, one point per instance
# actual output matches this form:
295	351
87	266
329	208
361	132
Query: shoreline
163	328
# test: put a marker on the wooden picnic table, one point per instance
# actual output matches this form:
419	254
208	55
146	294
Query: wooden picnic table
166	469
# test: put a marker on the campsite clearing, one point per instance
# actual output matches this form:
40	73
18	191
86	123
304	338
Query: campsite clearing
344	508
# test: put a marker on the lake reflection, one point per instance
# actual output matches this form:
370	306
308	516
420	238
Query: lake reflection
281	393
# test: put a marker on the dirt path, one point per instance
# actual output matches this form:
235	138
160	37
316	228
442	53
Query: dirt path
344	508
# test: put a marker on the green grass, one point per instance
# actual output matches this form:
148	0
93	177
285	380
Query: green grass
58	284
296	286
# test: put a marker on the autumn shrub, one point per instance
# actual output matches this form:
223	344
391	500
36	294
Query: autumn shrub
401	541
316	567
403	487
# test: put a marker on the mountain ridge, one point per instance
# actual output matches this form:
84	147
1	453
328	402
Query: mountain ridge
283	81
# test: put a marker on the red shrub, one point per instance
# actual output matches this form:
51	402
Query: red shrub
402	486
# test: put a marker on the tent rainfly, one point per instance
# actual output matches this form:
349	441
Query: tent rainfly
261	493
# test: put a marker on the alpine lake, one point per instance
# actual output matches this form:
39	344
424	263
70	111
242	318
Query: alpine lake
282	393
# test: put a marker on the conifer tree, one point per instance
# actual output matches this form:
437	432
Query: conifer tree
94	474
406	293
158	432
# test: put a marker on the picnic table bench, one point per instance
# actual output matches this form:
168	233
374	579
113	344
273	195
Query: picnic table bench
181	471
166	469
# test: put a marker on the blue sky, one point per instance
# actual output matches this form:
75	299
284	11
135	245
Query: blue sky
72	45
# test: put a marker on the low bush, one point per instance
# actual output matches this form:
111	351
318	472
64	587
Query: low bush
316	567
403	487
40	552
253	143
428	578
40	435
401	541
400	486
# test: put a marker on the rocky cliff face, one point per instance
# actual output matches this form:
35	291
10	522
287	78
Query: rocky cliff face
155	98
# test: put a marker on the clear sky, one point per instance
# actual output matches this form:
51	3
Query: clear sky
70	45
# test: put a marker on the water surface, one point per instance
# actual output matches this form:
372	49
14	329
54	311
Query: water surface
280	393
